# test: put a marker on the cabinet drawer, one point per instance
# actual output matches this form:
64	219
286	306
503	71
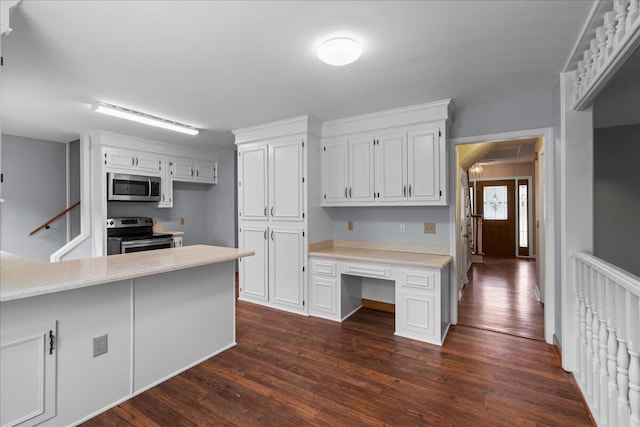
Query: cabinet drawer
418	280
323	268
367	270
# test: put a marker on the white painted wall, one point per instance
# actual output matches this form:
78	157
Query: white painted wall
616	196
34	190
575	183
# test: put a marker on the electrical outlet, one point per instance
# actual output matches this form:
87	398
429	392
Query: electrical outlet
350	225
429	228
100	345
181	221
403	228
155	221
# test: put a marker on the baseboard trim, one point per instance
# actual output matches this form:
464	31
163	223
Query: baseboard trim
379	305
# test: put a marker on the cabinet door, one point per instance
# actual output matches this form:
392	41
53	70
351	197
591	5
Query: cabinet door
424	165
119	159
254	270
335	172
415	315
391	167
285	178
206	171
286	279
147	162
252	183
361	169
28	380
166	185
323	297
183	169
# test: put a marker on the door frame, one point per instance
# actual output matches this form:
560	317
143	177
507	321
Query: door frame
547	234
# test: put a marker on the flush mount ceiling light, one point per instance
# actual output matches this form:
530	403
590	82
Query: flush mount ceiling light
339	51
147	119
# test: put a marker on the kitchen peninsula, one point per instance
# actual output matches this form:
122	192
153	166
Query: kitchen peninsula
78	337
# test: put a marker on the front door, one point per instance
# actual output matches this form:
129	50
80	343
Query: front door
496	203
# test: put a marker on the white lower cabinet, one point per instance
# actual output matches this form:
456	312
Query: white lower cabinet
275	275
323	289
421	294
28	381
254	270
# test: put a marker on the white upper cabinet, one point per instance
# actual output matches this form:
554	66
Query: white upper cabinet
424	165
361	169
194	170
286	180
390	158
335	171
391	167
132	161
253	203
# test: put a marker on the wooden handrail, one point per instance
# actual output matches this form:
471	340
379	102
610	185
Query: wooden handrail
50	220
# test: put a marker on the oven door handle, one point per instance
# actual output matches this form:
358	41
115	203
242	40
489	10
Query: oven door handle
145	242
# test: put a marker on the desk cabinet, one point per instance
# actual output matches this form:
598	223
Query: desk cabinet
421	294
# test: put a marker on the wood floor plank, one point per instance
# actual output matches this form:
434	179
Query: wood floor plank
293	370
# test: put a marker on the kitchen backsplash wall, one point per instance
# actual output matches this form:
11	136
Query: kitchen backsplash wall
382	224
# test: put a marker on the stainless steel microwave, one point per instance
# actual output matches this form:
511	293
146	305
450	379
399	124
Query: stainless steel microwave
133	188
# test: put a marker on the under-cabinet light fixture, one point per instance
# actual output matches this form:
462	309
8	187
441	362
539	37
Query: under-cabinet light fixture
339	51
147	119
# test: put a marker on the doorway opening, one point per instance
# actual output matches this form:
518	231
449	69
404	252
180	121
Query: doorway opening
502	261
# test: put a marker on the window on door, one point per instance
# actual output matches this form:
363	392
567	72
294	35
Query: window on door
496	202
523	217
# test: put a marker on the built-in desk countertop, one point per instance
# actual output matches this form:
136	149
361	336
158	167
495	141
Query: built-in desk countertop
23	278
388	253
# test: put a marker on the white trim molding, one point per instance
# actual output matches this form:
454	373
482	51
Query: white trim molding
6	7
609	37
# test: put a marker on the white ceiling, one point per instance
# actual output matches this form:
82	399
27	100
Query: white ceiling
226	65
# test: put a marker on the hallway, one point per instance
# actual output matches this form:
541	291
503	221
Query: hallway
500	297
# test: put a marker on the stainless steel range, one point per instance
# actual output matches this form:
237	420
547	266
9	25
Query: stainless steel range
132	234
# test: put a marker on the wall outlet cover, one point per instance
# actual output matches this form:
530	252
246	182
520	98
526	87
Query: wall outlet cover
429	228
100	345
350	225
181	221
403	228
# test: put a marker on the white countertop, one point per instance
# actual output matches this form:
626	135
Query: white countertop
23	278
386	257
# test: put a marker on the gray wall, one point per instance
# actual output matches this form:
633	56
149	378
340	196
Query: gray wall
503	116
616	196
74	188
382	224
34	190
221	199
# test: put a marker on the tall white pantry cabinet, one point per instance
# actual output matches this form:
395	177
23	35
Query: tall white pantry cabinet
278	208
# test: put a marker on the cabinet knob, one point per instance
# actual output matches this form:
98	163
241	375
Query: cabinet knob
271	210
409	190
349	192
265	211
271	234
404	191
345	192
265	235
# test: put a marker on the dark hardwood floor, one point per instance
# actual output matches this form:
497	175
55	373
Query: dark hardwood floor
289	370
500	296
